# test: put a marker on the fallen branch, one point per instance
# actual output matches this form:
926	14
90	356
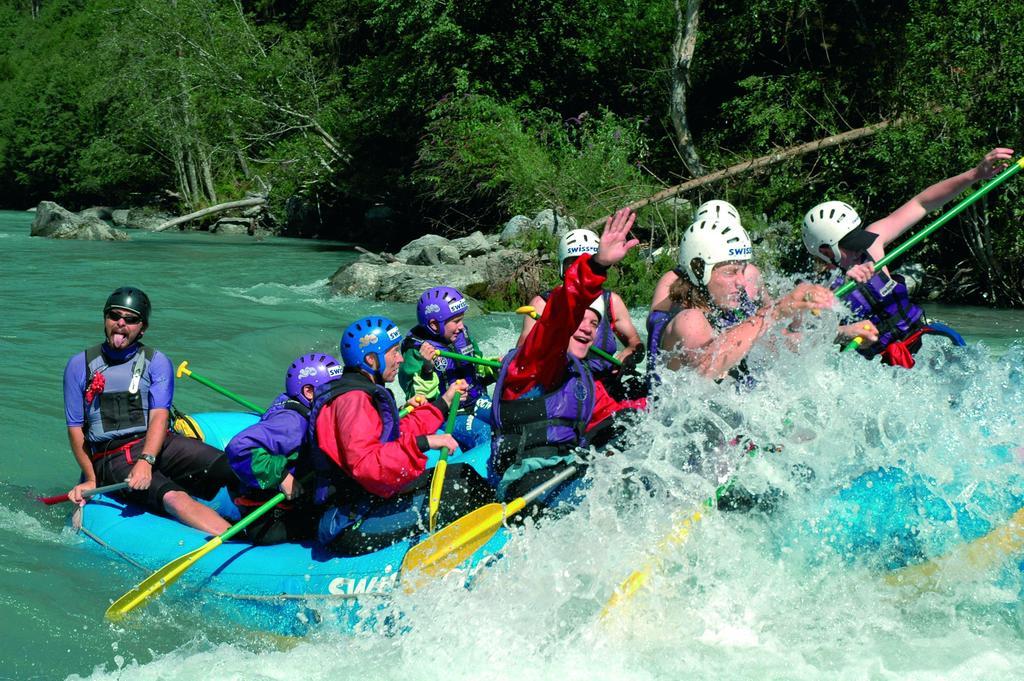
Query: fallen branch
212	210
755	164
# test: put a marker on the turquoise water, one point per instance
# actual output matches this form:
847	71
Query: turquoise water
745	597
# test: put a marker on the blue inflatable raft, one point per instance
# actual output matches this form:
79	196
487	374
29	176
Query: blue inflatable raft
284	588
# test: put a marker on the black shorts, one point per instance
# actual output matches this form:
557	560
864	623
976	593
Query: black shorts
184	465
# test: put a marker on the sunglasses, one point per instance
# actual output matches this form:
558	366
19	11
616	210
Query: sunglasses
114	315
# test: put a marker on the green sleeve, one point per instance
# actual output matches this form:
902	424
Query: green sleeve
270	469
410	367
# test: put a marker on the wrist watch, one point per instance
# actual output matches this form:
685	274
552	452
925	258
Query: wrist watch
148	458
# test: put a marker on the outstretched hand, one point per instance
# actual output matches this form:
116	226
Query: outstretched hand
615	241
994	163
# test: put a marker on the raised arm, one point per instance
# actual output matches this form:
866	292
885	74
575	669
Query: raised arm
932	198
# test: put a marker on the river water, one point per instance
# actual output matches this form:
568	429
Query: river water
748	596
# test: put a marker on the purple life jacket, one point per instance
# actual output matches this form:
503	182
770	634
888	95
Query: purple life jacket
723	320
276	435
541	425
604	339
327	472
885	301
657	322
450	370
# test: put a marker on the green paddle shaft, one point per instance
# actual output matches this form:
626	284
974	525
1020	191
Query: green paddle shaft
437	482
468	358
1002	177
184	370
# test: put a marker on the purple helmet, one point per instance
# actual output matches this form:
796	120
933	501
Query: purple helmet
314	369
439	304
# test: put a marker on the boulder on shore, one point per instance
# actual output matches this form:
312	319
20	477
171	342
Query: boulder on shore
375	278
55	222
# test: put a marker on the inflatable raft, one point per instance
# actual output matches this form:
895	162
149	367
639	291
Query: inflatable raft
284	588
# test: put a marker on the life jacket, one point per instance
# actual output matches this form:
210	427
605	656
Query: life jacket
886	302
722	320
328	474
538	425
450	370
295	439
604	338
119	412
657	322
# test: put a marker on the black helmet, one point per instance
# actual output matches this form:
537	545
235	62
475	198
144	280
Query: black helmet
129	298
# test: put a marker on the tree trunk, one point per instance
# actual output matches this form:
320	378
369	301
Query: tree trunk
682	53
220	208
207	173
755	164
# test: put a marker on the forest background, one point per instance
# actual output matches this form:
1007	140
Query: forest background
448	116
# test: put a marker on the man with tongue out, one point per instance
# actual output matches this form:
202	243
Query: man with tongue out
117	398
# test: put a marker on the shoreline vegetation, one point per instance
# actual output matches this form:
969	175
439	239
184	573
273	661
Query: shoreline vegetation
380	124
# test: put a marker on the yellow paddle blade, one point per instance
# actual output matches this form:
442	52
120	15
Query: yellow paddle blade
527	309
638	580
158	581
979	555
444	551
436	483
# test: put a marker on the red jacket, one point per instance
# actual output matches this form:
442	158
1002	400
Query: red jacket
541	360
348	431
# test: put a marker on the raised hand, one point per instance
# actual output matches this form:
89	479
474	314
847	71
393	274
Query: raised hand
615	241
994	163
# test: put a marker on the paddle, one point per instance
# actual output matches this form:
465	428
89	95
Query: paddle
530	310
469	358
169	573
437	482
638	579
978	555
50	501
1002	177
184	370
453	544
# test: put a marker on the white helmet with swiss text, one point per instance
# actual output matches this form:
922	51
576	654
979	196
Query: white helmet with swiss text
575	243
711	243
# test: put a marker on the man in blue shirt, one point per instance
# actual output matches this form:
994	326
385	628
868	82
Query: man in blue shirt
117	400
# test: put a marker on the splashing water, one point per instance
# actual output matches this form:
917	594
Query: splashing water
790	594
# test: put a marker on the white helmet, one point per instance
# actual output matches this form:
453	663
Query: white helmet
598	306
575	243
712	242
827	224
722	212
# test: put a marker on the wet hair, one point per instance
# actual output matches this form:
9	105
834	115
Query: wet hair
683	293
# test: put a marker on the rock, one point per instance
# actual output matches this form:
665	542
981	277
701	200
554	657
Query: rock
97	213
553	223
404	282
146	219
517	226
93	231
55	222
435	256
232	225
473	245
119	217
413	249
